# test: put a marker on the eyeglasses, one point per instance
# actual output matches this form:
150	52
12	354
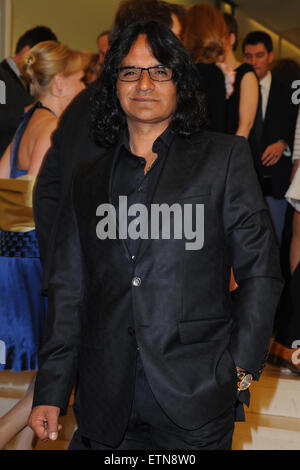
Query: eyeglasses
160	73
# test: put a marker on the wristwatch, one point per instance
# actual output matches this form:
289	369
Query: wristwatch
244	380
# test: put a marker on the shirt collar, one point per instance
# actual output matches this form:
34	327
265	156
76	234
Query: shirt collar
13	66
165	138
265	83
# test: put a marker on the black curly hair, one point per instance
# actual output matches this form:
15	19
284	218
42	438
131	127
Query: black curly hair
130	11
107	119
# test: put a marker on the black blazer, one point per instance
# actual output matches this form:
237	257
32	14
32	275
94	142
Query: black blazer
71	144
191	332
279	124
11	113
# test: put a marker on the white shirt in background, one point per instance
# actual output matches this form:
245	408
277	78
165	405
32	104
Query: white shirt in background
296	151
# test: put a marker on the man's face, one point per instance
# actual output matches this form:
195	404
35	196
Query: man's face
258	56
103	47
146	100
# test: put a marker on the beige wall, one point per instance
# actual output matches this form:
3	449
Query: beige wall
290	51
76	22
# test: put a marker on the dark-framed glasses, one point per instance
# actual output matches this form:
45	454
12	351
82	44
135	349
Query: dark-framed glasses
160	73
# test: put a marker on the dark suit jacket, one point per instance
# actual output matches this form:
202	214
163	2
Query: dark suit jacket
71	144
279	124
11	113
190	331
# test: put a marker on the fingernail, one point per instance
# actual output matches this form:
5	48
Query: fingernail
53	436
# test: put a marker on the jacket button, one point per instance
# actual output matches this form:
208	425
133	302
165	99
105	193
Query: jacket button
136	281
130	331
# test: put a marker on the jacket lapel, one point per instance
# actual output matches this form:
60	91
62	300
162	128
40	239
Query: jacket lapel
175	176
176	172
105	177
6	66
269	116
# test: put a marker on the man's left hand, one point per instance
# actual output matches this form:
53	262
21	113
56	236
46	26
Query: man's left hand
273	153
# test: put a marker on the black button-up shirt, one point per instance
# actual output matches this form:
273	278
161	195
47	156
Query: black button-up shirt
130	180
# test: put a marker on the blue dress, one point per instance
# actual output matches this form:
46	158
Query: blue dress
22	307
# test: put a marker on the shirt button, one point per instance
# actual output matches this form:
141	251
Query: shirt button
136	281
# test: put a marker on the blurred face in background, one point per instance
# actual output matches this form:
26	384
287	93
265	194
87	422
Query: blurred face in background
176	25
258	56
103	47
93	70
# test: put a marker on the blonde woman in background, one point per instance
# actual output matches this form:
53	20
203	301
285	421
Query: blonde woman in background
54	73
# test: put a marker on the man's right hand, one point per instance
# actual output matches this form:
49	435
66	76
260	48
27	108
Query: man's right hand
43	420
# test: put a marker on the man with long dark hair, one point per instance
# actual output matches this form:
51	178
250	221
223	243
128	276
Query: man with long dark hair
72	143
139	305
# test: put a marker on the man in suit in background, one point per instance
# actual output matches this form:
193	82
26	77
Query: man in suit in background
143	321
273	132
17	94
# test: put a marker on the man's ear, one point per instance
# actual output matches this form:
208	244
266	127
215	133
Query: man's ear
271	57
22	52
25	49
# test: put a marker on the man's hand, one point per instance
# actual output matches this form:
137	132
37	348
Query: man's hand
273	153
43	420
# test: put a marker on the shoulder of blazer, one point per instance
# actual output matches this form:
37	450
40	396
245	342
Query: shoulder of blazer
218	139
216	147
5	67
90	168
7	72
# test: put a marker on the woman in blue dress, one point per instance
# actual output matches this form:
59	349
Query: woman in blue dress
55	75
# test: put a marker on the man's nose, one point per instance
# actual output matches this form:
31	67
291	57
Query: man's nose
145	81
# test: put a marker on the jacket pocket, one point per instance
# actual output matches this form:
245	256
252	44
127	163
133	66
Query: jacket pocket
204	331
